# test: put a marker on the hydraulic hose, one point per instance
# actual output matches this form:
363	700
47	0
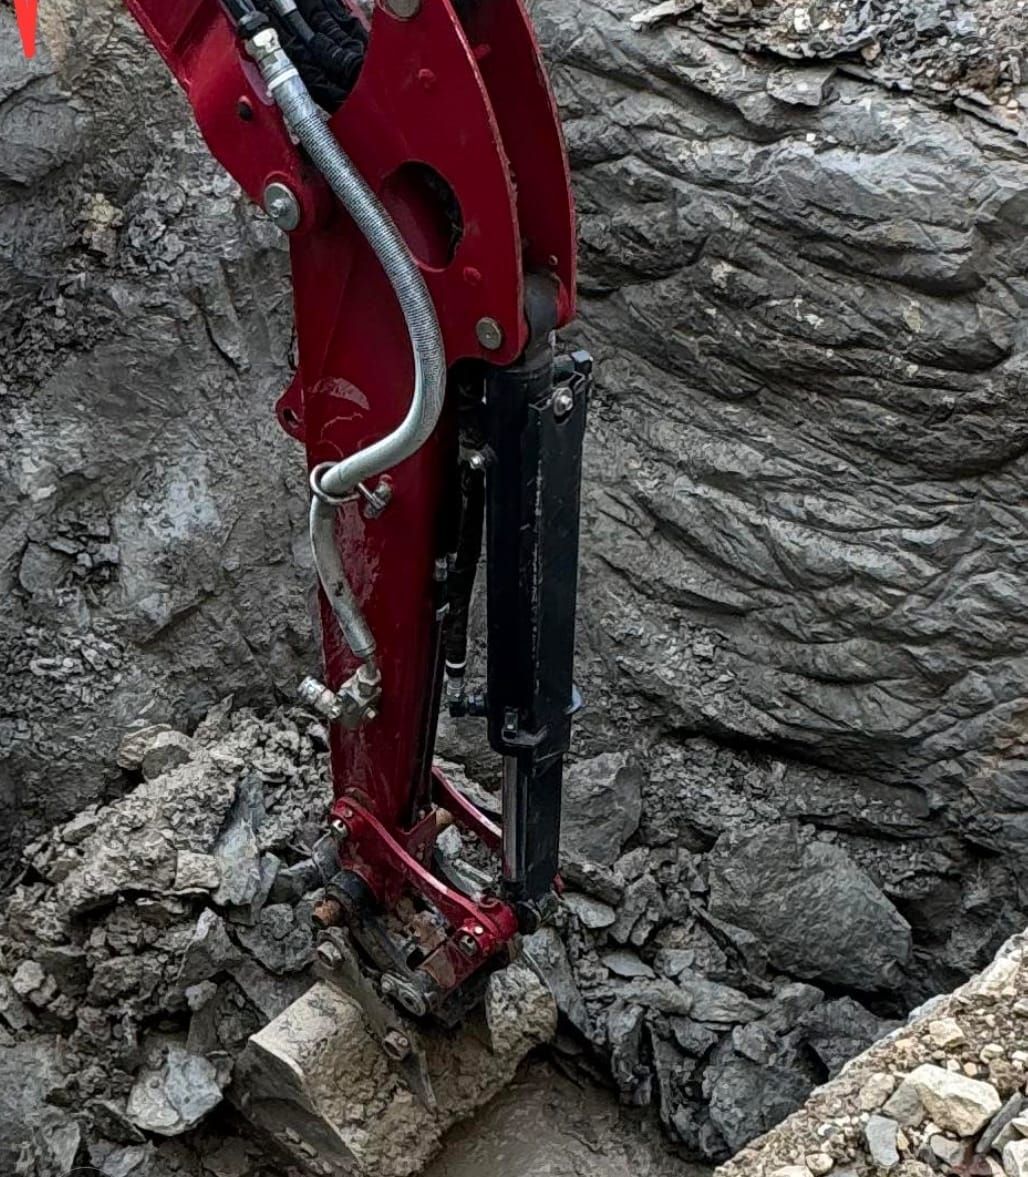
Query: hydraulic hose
334	484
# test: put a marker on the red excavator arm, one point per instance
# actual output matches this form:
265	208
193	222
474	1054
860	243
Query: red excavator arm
417	165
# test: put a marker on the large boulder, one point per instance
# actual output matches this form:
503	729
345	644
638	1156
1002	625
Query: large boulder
818	915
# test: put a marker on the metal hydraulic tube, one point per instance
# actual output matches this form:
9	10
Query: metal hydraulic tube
333	483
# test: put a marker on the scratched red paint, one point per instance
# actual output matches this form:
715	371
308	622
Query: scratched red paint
27	13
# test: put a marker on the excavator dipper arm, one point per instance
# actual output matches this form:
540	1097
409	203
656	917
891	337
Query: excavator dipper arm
414	157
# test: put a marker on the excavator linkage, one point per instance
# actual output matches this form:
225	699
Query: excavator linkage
413	155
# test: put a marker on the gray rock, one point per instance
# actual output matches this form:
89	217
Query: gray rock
839	1030
292	883
601	808
720	1004
80	827
592	879
905	1106
880	1133
796	894
625	1026
134	1160
209	952
626	964
954	1102
136	744
174	1093
1008	1112
547	955
166	751
282	939
590	912
196	872
641	910
693	1038
1015	1158
237	851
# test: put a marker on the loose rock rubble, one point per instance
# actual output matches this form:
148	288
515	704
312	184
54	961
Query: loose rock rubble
691	1013
945	1094
148	940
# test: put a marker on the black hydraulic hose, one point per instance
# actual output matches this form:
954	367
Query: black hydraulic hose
247	16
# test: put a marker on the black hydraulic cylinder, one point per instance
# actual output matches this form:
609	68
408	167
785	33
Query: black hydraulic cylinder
534	432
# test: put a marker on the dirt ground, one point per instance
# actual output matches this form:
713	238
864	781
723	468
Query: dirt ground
546	1124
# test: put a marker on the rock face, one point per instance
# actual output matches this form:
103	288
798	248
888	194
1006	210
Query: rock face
144	336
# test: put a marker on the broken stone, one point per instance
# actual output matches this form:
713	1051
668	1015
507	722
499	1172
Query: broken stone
950	1152
546	953
875	1091
693	1038
520	1011
1015	1158
209	952
625	1038
196	872
880	1134
135	745
237	852
839	1030
602	805
626	964
905	1106
28	978
1006	1114
946	1032
80	827
641	910
800	87
593	879
174	1094
953	1101
282	939
166	751
714	1002
591	912
819	1163
795	894
292	883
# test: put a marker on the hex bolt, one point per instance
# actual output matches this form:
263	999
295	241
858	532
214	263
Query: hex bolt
329	955
489	333
340	830
467	944
396	1045
563	402
477	461
282	206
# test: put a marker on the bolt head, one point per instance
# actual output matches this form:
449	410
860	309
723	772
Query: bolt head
282	206
397	1045
403	9
489	333
329	955
563	402
340	830
477	461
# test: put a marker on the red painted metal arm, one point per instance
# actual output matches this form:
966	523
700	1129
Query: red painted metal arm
453	125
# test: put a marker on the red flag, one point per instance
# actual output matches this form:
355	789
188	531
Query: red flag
26	12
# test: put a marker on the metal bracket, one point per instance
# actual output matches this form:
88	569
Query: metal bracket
355	702
337	964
